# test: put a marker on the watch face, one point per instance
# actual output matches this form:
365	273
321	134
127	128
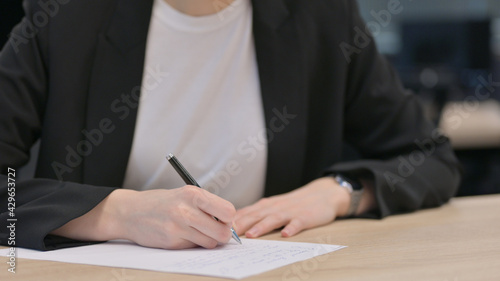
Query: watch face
353	184
342	182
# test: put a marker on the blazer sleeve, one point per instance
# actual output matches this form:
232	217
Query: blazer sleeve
38	205
409	160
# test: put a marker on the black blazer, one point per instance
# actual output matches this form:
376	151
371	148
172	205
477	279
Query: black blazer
76	71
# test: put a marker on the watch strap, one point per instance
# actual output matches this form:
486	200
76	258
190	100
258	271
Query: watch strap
355	190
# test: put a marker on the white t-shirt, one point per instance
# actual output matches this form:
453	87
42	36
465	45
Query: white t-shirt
205	108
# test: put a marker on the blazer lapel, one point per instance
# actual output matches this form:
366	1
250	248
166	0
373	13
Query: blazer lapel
114	92
279	58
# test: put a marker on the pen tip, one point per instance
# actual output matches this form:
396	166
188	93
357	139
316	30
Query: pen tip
236	238
169	156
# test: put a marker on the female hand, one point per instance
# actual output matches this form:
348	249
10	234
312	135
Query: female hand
314	204
170	219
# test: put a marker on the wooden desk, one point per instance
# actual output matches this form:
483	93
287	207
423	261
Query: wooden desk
459	241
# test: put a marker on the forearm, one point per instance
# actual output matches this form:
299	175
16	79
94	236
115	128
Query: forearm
102	223
43	205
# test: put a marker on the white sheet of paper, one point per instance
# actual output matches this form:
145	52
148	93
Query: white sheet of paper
227	261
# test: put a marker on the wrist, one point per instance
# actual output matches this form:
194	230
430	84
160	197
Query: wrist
340	197
116	210
368	201
103	222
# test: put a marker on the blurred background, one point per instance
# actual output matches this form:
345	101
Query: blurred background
448	53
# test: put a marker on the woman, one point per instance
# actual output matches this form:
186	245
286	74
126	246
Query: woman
254	97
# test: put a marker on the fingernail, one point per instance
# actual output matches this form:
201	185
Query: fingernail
287	232
252	232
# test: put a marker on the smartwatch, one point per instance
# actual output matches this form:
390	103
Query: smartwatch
355	190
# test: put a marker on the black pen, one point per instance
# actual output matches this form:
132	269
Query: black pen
188	179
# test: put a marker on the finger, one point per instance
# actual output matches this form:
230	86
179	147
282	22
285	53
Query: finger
248	216
196	237
207	225
178	245
263	203
215	206
267	225
245	223
240	213
293	227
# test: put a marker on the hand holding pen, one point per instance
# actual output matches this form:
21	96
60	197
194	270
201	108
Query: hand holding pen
188	179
